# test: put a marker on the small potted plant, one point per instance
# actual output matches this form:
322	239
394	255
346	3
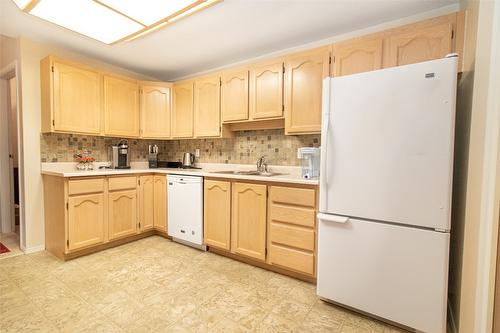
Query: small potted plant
84	161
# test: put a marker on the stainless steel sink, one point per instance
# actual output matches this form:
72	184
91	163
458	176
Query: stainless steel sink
249	173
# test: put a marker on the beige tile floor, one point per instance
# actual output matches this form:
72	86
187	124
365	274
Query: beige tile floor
12	242
154	285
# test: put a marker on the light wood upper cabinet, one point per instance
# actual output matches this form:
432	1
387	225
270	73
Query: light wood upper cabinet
217	214
182	111
357	55
207	107
146	203
155	111
85	221
160	202
121	107
303	90
234	95
266	90
412	45
122	213
71	98
248	235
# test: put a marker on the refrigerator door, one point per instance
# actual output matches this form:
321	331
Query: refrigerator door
394	272
387	144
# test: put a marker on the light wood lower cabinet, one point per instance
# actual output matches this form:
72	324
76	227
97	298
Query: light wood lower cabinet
248	235
122	213
146	202
217	214
86	225
160	203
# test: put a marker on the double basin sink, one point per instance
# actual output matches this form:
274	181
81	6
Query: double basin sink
250	173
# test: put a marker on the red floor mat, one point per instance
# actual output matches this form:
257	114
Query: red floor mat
3	248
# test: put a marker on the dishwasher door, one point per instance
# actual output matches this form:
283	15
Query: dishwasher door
185	208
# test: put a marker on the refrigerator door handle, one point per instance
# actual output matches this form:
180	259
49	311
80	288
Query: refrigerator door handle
325	125
332	218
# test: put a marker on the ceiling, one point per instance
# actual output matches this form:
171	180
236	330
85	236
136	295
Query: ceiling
229	32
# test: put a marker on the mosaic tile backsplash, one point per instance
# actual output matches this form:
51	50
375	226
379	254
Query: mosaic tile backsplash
245	148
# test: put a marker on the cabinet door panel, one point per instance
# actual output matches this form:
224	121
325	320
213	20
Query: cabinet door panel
121	107
77	99
356	56
249	220
217	214
155	112
207	107
146	203
122	210
182	112
305	74
266	90
85	220
234	96
160	203
416	45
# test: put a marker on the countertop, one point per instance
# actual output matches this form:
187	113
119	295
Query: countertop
291	174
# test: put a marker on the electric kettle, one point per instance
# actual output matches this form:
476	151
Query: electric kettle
187	160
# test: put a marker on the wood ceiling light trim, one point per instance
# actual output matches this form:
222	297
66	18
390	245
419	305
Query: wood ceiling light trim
30	6
202	4
118	12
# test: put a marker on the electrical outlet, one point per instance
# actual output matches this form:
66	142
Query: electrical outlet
197	153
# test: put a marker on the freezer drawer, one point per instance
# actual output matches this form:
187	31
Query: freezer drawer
394	272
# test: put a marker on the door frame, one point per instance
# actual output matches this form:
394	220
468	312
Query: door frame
6	177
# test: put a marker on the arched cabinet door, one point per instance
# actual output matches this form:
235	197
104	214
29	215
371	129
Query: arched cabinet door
155	111
217	214
249	211
266	90
122	210
85	220
121	106
357	55
234	95
183	110
207	107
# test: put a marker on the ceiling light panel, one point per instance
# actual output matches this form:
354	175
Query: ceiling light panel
150	11
88	18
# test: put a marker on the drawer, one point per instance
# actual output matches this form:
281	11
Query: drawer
298	237
83	186
295	215
293	196
122	183
296	260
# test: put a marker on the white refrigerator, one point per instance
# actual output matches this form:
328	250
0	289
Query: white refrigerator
385	192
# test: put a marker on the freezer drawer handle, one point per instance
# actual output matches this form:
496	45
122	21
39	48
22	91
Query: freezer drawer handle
332	218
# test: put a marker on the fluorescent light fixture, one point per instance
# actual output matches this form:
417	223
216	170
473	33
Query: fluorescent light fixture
150	11
112	21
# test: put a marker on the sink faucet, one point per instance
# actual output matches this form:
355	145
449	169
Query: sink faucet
261	164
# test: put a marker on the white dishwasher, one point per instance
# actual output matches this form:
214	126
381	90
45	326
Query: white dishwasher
185	209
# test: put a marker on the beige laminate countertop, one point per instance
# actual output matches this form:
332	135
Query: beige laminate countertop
290	174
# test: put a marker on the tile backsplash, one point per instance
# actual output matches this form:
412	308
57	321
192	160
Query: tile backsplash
245	148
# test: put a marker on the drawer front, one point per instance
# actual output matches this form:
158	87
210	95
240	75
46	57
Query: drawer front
122	183
295	215
298	237
83	186
293	196
296	260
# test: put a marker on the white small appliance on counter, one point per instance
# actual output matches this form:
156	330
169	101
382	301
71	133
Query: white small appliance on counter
310	161
185	210
385	192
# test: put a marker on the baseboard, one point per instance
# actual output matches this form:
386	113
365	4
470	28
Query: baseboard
33	249
451	319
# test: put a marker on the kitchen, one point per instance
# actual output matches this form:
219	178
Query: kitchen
226	159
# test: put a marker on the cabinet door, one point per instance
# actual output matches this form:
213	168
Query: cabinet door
182	111
249	220
85	220
77	99
122	210
160	203
207	107
121	107
303	93
146	203
217	214
266	90
357	55
409	46
155	112
234	96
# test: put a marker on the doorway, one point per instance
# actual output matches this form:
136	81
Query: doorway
10	198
